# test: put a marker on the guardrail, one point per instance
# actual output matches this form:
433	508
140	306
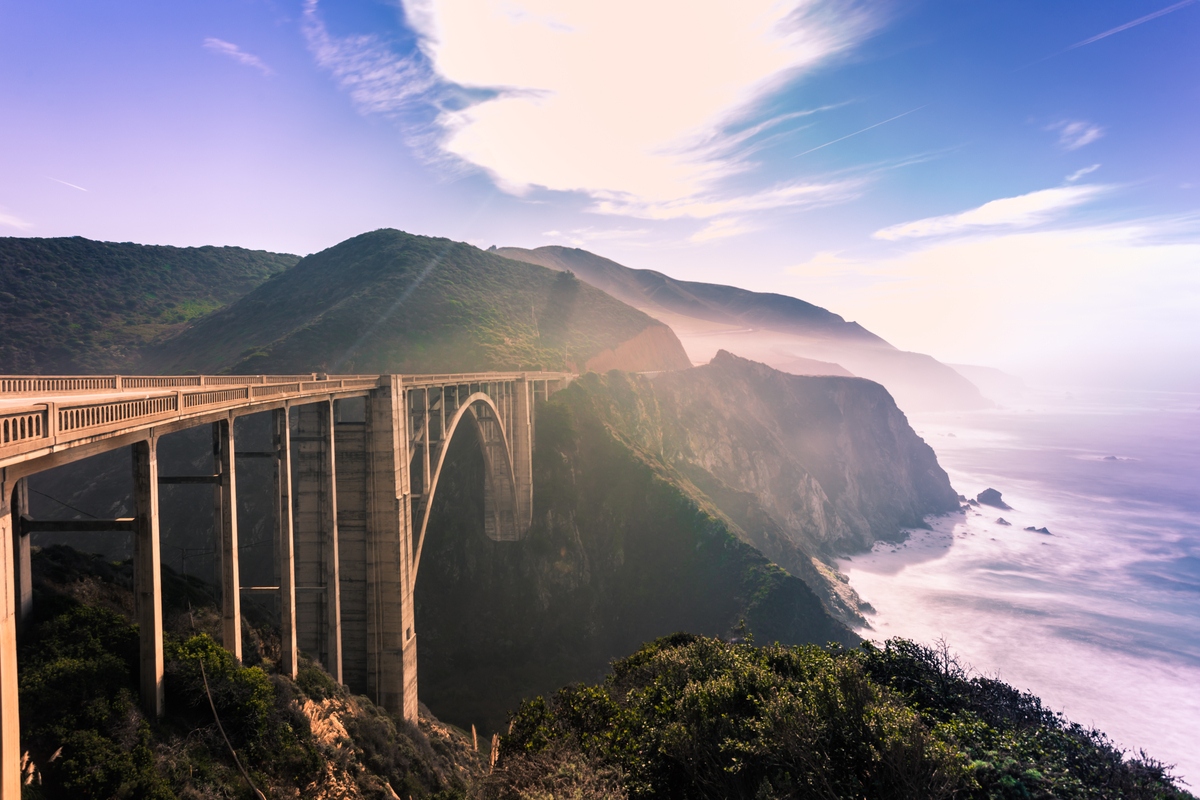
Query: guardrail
56	418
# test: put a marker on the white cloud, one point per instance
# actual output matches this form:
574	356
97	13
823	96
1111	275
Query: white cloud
722	229
8	220
1079	173
1028	297
612	96
1073	135
231	50
583	236
1022	211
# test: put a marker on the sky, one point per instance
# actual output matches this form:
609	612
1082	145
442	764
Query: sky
1013	183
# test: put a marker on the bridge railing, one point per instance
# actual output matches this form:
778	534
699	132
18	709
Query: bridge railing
60	408
54	384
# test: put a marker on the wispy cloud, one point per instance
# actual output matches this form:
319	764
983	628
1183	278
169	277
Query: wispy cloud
1074	134
378	79
1134	24
583	236
231	50
794	195
1079	173
8	220
1022	211
64	183
722	229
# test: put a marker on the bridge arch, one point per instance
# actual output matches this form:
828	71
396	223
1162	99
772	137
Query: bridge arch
501	518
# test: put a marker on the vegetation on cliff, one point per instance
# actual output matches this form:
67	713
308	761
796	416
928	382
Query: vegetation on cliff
389	301
693	717
76	305
83	733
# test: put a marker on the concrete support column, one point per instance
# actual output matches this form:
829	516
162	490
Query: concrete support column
520	443
318	574
10	724
331	547
147	576
225	499
392	642
285	560
23	573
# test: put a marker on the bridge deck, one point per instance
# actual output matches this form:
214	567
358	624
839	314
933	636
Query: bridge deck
45	414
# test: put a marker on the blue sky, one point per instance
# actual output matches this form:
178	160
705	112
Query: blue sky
1010	183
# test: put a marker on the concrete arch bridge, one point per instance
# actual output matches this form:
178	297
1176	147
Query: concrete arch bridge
351	503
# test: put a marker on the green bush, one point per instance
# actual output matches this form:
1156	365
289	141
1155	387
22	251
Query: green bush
243	696
693	717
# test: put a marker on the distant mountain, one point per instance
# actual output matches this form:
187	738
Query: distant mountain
785	332
389	301
74	305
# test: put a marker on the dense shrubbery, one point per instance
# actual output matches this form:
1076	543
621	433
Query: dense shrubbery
85	735
692	717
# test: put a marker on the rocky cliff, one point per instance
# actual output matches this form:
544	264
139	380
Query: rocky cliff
660	504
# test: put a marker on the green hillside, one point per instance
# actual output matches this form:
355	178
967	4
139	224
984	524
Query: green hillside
389	301
74	305
693	718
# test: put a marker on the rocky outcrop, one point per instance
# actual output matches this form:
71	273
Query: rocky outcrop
993	498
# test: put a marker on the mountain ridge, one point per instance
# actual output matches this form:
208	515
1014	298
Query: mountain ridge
785	332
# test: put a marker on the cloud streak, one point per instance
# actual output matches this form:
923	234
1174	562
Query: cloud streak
8	220
65	183
1073	135
1022	211
1134	24
856	133
231	50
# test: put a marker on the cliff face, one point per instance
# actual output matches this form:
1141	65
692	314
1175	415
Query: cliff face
832	460
622	549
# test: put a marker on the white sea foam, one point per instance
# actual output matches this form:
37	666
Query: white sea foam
1101	618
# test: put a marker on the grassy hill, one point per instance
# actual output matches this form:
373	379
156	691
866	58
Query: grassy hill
74	305
389	301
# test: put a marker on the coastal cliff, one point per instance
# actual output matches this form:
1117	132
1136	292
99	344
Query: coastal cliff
708	500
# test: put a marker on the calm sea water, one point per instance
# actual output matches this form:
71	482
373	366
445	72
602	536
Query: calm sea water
1101	618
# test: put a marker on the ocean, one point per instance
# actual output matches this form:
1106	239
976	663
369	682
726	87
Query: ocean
1100	617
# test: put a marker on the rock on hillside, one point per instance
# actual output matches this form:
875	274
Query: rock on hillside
74	305
785	332
389	301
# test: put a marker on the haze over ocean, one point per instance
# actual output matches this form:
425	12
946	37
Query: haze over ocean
1101	619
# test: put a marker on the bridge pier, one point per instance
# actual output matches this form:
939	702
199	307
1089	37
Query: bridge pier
392	641
318	574
147	575
285	560
23	572
10	726
225	500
